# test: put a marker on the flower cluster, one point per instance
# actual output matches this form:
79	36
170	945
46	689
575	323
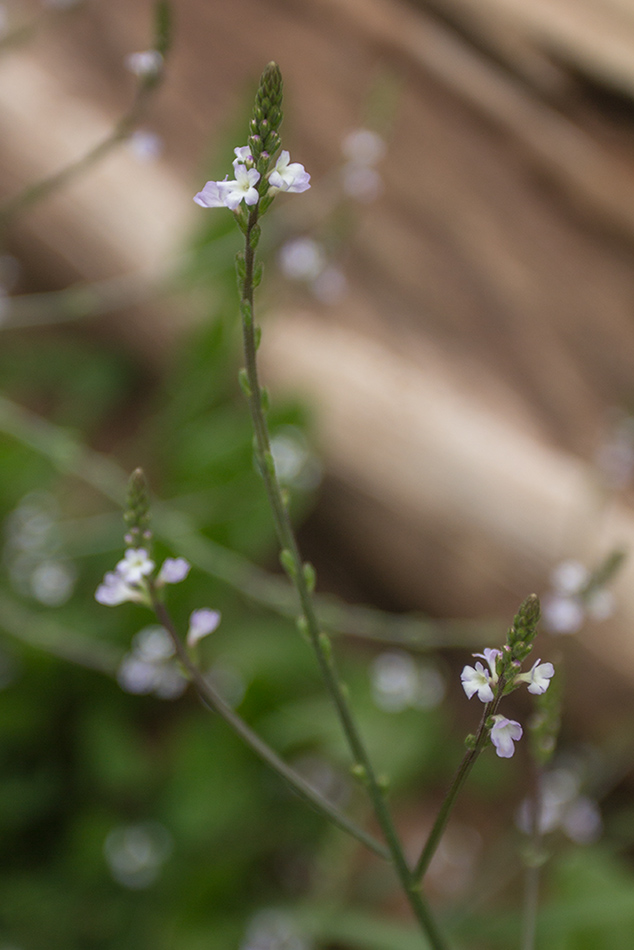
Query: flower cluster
133	580
130	579
502	674
249	185
481	681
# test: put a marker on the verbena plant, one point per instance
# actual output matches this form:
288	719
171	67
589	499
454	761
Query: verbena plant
262	172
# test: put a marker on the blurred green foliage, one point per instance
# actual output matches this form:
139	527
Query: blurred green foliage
131	821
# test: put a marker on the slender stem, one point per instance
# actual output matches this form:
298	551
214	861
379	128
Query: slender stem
460	778
297	572
209	695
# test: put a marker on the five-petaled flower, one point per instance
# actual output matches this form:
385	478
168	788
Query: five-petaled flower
504	732
479	680
289	176
538	677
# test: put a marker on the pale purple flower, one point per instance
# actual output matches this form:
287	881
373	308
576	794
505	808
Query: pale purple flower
135	565
289	176
201	623
213	195
479	680
504	732
115	590
538	677
173	571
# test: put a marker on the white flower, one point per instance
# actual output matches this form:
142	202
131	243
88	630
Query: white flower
504	732
478	680
289	176
538	677
229	194
201	623
243	188
116	590
243	156
363	147
173	571
149	62
135	565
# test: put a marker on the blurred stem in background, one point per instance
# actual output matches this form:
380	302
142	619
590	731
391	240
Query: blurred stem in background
70	457
150	77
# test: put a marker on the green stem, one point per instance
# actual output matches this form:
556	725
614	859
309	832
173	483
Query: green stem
253	740
297	573
176	528
460	778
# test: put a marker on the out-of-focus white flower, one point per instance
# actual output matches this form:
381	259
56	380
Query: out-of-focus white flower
149	667
363	147
504	733
399	682
173	571
135	853
562	615
289	176
146	146
53	582
202	622
148	62
361	182
274	930
478	680
301	259
569	577
560	805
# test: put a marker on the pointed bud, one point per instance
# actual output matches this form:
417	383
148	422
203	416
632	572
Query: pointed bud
137	512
